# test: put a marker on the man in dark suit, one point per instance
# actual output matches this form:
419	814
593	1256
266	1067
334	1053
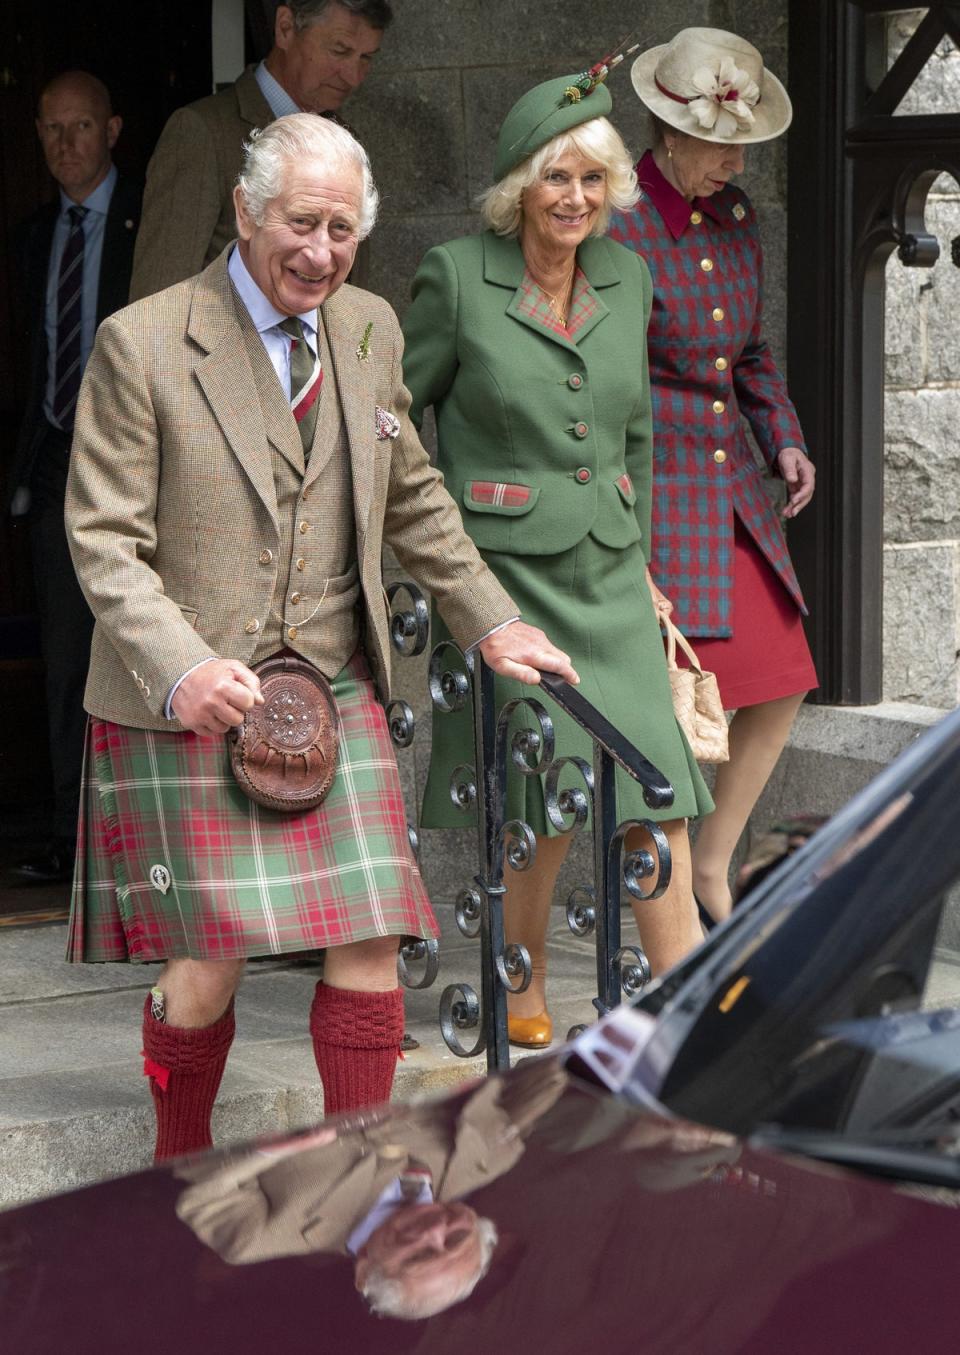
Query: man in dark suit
75	257
322	51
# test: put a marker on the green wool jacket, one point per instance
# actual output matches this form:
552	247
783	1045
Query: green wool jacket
542	439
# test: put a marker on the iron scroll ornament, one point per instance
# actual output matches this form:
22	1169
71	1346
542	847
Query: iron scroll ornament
459	681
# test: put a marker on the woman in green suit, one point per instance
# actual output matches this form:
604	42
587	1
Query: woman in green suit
529	341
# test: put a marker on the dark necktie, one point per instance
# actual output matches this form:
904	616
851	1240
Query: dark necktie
67	369
306	378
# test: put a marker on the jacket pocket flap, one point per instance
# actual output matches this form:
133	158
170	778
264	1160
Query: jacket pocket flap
625	486
498	496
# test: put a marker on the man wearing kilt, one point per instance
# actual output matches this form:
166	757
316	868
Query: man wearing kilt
242	452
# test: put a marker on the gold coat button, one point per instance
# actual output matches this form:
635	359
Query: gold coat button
718	406
719	456
292	633
301	564
696	218
265	557
706	265
296	597
304	527
721	364
718	313
252	626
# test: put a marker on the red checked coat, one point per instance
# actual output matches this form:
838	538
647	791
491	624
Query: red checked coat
710	369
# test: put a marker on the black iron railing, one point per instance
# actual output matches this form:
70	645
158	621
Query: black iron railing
457	680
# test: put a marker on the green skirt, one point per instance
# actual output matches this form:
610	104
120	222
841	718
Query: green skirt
593	602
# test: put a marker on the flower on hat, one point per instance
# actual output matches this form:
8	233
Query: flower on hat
726	99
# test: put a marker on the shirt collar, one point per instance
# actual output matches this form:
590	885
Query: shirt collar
281	104
263	313
669	202
387	1202
98	200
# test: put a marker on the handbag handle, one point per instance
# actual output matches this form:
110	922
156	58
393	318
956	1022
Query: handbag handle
676	637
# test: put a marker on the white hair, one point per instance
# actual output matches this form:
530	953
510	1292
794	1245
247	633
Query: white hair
389	1297
302	136
598	140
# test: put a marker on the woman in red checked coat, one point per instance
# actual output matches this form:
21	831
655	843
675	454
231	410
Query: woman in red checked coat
718	547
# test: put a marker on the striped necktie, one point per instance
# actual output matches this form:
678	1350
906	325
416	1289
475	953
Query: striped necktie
306	378
67	368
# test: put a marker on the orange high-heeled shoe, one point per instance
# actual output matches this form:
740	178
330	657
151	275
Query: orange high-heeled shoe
530	1032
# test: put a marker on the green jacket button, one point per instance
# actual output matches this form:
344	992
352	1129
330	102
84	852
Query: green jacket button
581	429
583	474
575	381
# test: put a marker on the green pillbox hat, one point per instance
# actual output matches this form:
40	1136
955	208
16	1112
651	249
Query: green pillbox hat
543	113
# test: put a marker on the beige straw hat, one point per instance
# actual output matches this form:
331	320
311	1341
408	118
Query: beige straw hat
712	85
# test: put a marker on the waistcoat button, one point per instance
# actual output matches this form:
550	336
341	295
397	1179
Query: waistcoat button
252	626
265	557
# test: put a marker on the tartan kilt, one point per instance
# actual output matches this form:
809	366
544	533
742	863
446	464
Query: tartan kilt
241	880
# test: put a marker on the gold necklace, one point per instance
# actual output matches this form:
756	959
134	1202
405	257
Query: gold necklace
553	298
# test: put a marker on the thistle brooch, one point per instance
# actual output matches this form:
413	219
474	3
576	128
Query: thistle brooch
363	347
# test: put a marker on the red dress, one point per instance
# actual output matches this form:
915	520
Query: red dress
718	548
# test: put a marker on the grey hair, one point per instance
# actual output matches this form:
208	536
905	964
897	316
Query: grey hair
302	136
502	207
388	1298
377	13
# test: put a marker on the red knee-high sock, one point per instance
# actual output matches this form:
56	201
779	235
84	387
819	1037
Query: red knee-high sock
356	1041
184	1067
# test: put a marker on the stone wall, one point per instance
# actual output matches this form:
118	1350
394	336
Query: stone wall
922	442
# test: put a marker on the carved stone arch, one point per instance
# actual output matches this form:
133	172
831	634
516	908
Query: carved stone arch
859	180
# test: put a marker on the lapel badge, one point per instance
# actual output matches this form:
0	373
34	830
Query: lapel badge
738	211
363	347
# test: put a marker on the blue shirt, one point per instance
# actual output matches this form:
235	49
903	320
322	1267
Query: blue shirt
266	319
94	225
281	105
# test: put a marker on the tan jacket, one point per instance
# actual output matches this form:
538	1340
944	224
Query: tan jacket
260	1204
188	214
171	505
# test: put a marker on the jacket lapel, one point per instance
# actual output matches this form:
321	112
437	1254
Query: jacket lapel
279	424
344	326
504	267
226	377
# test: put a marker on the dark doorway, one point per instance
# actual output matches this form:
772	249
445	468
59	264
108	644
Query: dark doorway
152	58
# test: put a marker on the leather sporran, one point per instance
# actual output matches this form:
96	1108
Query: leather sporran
284	755
696	701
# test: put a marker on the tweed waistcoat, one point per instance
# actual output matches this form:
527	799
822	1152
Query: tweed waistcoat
317	579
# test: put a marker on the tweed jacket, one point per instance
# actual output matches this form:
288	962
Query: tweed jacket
34	242
710	368
542	438
188	213
172	507
256	1206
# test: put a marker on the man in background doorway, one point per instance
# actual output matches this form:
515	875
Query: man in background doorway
74	261
322	51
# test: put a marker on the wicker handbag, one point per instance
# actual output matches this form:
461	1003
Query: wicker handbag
696	701
284	755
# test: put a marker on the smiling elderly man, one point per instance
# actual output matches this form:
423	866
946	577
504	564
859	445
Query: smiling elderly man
322	51
242	451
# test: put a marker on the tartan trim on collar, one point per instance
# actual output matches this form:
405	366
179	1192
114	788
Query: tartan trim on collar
499	492
534	304
625	483
672	206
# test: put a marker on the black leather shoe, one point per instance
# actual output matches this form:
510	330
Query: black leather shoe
52	866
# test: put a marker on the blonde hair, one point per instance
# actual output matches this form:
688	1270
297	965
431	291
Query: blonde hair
598	140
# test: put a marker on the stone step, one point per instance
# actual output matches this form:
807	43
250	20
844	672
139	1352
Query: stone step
74	1107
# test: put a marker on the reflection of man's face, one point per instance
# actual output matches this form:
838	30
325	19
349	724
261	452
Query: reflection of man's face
429	1249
